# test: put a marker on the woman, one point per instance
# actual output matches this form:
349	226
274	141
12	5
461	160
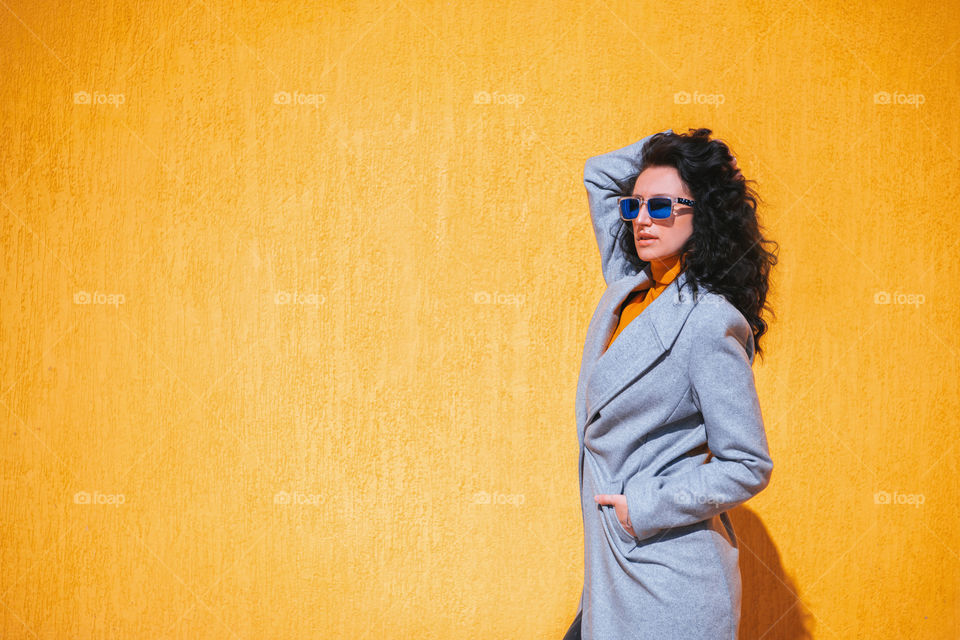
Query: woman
669	424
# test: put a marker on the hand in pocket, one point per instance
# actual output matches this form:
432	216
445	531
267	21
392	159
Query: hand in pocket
619	504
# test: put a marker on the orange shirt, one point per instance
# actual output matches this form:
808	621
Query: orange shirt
663	272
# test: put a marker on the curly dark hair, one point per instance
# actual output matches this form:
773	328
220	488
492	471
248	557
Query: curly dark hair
726	253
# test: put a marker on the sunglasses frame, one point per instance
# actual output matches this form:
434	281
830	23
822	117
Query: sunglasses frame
673	206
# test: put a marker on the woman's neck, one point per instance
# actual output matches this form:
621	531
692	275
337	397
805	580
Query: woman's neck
665	269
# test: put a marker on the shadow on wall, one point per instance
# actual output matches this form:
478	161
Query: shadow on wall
770	608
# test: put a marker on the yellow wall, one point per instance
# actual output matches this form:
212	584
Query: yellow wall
329	359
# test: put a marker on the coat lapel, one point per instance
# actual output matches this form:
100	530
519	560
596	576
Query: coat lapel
603	374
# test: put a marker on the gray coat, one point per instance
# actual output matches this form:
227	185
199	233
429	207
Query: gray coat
669	417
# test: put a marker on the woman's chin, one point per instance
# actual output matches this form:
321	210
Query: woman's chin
648	254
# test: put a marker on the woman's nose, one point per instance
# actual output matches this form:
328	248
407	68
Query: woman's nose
642	219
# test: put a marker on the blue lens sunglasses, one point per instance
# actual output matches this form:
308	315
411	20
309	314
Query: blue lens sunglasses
658	207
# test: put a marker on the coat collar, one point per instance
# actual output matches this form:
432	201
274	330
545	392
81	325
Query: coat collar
603	374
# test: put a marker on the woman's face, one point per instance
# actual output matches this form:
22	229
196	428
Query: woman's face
671	233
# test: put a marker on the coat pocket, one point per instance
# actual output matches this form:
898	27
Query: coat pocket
610	513
728	526
609	522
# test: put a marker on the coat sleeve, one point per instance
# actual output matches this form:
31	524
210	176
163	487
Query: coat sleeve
723	390
606	178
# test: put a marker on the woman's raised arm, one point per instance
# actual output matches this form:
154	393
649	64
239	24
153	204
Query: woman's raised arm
606	177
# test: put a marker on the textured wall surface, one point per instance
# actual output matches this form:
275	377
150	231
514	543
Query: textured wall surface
294	296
